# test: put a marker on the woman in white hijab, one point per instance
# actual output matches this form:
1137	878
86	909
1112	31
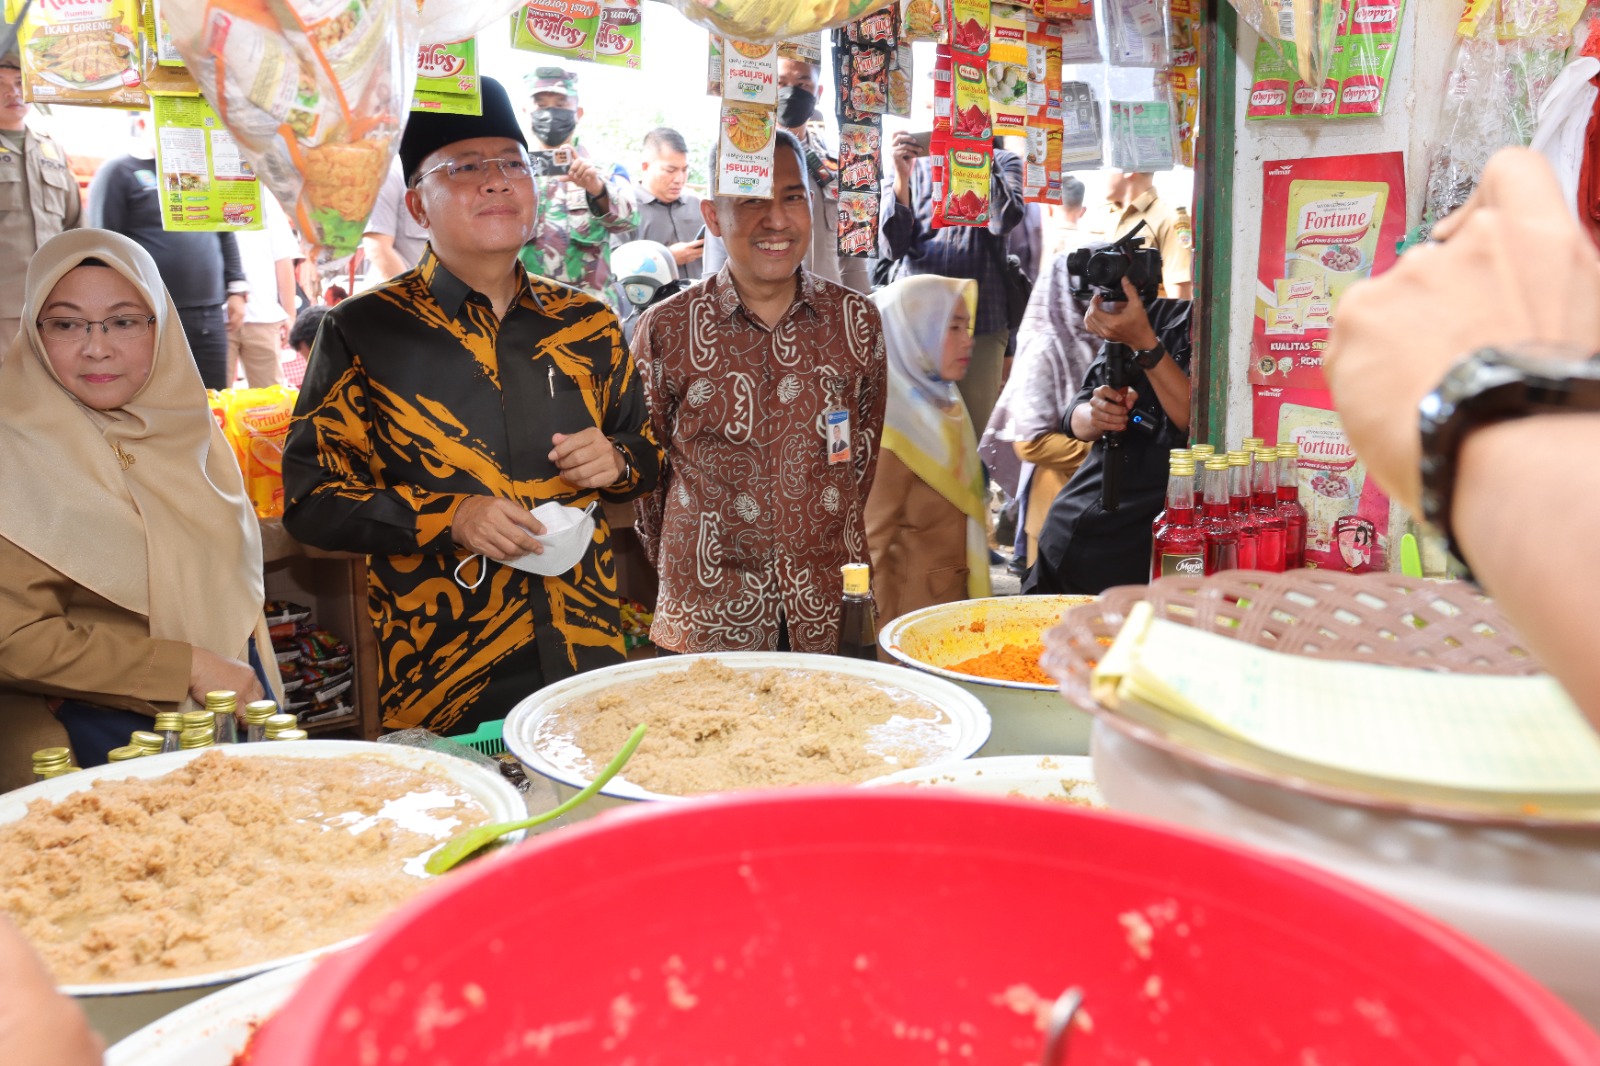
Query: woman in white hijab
926	515
130	558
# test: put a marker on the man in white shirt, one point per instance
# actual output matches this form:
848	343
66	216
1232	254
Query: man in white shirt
393	240
267	256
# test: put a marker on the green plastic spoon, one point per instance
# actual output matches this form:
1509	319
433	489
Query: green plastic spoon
1410	558
473	840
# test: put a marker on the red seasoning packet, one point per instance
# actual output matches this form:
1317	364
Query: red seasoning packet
967	174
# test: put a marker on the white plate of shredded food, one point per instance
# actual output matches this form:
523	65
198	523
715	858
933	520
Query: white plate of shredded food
738	720
213	1031
146	884
1065	779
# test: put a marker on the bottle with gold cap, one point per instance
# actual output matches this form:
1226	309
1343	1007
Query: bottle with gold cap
1219	526
147	742
255	719
1177	546
1201	453
223	704
1289	505
858	624
1239	506
198	737
51	762
170	725
1271	529
124	753
278	724
293	734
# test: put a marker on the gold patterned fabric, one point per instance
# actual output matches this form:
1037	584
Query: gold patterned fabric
417	397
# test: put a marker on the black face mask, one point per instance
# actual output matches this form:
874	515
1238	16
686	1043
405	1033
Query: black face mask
553	125
794	106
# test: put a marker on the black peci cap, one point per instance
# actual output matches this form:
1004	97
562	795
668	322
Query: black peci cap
427	131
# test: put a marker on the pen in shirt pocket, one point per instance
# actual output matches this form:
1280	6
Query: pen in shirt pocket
552	380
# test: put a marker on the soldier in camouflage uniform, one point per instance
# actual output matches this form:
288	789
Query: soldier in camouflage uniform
580	211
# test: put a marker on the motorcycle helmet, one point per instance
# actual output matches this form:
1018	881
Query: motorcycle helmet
642	267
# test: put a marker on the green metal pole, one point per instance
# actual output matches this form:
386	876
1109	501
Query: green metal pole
1214	223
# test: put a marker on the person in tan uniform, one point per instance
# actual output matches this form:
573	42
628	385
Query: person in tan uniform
1131	199
926	513
38	194
130	557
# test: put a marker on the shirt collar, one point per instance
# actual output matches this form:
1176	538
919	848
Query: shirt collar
728	303
450	292
1142	202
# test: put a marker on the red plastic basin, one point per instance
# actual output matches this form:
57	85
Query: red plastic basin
887	928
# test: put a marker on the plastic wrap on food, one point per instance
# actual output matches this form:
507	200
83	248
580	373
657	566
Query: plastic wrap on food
445	21
314	91
1308	26
1491	102
762	21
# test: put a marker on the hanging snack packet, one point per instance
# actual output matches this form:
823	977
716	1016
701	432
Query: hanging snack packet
860	156
1082	131
806	48
1008	34
900	82
858	223
943	99
557	27
970	119
158	36
1143	135
1182	85
967	169
924	20
1007	69
879	29
1138	34
619	40
750	72
969	28
745	150
163	77
86	52
869	81
1044	63
447	79
205	184
1060	10
1041	166
1080	41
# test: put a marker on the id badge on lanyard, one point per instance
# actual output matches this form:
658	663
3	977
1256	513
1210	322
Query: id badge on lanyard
836	421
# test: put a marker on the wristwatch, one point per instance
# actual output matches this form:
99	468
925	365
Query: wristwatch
1148	358
1494	385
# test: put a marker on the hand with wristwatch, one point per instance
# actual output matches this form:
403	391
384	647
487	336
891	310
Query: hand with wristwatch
1466	380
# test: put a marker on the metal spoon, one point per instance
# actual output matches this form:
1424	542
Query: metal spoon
460	847
1061	1015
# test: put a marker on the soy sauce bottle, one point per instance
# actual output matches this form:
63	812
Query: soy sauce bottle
858	623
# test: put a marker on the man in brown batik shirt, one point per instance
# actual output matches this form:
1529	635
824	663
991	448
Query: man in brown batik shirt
753	379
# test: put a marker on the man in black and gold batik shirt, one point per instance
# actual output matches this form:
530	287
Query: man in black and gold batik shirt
438	410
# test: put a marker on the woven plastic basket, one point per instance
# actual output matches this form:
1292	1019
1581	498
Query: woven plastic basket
1381	619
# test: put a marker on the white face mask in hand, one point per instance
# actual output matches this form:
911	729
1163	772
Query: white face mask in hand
566	537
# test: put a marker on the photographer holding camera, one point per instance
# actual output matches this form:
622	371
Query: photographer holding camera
1134	404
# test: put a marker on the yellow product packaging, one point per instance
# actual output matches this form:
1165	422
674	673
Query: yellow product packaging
256	423
1332	231
1289	318
85	52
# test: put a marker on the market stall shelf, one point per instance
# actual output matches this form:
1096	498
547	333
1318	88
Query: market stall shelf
334	584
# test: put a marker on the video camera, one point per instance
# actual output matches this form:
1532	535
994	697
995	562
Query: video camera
1101	270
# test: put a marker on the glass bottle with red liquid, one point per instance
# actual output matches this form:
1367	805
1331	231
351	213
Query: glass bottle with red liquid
1239	506
1217	522
1270	525
1201	453
1289	505
1177	546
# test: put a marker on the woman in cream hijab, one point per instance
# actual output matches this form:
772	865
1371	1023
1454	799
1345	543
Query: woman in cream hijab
926	519
130	559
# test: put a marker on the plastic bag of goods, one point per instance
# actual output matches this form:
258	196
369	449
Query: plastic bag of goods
314	91
770	21
256	423
1302	31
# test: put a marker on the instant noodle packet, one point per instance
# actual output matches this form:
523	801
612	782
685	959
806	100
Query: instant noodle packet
858	223
564	28
447	79
619	41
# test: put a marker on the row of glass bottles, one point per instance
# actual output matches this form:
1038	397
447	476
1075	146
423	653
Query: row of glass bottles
181	731
1245	514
